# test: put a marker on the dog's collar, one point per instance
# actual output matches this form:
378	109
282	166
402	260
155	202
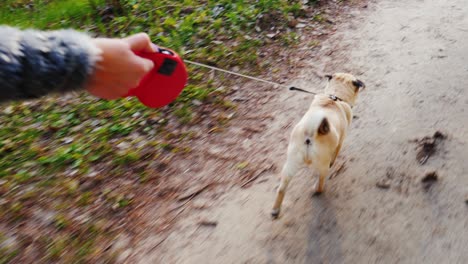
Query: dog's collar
336	98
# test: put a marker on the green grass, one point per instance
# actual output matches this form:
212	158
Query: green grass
44	14
189	27
62	156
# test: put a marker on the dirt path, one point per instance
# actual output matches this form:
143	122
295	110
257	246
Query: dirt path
413	57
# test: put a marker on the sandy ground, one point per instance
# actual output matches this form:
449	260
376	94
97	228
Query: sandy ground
413	57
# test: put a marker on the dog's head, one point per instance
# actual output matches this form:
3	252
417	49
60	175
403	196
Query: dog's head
344	85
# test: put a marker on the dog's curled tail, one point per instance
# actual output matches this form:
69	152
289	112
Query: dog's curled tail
324	127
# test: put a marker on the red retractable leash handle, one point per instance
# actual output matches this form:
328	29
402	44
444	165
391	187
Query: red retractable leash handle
164	83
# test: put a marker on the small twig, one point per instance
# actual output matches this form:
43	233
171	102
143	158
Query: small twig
195	193
217	156
338	170
251	129
256	118
256	176
423	160
208	223
126	25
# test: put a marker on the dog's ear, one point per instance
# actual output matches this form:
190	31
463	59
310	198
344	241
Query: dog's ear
328	76
359	84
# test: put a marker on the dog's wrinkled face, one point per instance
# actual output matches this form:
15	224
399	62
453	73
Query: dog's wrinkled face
345	86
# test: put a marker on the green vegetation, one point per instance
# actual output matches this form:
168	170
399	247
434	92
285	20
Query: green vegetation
64	159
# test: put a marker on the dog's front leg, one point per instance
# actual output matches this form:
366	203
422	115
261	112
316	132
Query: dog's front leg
280	195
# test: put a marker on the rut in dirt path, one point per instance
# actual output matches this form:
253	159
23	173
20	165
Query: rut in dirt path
413	57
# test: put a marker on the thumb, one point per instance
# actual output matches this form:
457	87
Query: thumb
147	65
140	42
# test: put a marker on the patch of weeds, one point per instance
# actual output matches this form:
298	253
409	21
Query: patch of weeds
184	114
123	202
313	43
166	146
295	9
319	18
126	157
85	199
143	177
56	248
7	255
61	222
289	38
22	176
85	249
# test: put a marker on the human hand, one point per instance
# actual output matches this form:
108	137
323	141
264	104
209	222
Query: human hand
119	69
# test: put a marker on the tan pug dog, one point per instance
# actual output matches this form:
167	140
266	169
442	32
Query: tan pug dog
317	139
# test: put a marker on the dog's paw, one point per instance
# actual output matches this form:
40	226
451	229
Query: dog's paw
317	193
275	213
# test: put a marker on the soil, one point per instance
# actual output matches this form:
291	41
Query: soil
412	56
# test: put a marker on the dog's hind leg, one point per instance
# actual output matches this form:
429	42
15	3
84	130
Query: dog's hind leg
323	169
337	151
289	170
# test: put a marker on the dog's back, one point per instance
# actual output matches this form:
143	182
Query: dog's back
317	135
